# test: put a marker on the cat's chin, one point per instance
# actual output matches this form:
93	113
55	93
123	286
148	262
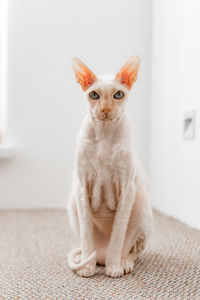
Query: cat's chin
104	120
108	120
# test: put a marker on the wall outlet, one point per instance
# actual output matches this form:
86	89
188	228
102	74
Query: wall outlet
189	125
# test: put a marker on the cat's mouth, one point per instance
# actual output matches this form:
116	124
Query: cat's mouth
106	119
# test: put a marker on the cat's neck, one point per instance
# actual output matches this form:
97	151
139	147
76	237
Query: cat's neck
111	130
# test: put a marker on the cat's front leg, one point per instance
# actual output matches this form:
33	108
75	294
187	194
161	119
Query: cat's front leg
86	232
124	207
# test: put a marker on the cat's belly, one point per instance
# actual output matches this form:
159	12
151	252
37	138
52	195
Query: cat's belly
102	221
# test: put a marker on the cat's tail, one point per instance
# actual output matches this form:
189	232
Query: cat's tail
74	259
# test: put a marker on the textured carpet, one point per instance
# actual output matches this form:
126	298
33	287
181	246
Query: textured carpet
33	262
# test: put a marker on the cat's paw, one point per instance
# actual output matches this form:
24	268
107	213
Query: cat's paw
127	264
114	271
140	243
87	271
139	246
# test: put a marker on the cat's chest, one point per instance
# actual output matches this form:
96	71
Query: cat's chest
103	151
104	155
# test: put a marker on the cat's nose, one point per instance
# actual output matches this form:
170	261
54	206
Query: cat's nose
106	109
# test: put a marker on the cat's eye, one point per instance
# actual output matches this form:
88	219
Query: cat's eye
118	95
94	95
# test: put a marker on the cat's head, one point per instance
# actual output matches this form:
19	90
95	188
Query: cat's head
106	94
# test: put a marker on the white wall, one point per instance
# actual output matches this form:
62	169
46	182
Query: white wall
3	66
1	61
175	163
45	107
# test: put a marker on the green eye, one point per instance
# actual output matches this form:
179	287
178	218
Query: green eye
118	95
94	95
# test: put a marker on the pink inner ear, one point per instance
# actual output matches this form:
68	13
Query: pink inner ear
83	74
124	77
128	73
85	79
127	76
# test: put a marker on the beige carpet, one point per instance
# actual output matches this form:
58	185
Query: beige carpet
33	262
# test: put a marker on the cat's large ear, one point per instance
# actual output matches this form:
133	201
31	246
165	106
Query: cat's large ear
128	73
83	74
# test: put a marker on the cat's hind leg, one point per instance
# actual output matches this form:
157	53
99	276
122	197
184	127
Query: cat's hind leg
73	216
127	263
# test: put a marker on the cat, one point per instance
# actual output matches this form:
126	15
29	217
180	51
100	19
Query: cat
109	208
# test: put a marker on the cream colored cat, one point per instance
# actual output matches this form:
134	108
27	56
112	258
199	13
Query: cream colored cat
109	207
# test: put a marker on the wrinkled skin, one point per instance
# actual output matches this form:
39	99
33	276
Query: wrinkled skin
109	207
